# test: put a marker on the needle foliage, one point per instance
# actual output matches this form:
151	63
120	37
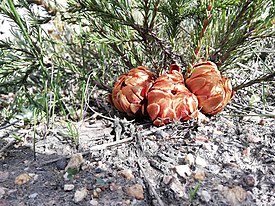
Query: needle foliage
100	39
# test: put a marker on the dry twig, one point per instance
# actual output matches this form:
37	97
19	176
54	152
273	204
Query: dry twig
7	146
94	148
160	202
104	146
269	77
8	125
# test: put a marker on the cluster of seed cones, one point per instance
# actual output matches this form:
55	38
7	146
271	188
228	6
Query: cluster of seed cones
170	97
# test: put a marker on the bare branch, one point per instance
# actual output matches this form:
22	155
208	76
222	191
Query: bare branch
269	77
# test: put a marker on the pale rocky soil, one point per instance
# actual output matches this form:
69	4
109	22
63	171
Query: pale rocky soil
229	160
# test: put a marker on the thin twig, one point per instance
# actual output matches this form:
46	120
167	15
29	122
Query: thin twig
240	107
8	145
9	124
101	86
110	144
160	202
86	99
146	133
269	77
167	48
94	148
104	146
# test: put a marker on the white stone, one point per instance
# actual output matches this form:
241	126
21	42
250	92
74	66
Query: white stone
207	146
2	192
68	187
32	196
190	159
80	195
201	162
93	202
215	147
183	170
221	188
206	196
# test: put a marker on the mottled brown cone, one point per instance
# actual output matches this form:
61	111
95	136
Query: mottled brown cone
130	91
212	89
169	100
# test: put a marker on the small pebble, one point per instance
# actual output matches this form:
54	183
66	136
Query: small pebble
66	176
206	196
246	152
220	188
201	162
217	132
127	173
199	175
98	170
11	192
207	146
178	189
113	187
215	147
253	139
235	195
80	195
86	165
183	170
99	163
98	190
252	117
127	202
35	177
167	179
95	194
68	187
93	202
75	161
249	180
160	134
190	159
135	191
2	192
32	196
262	122
61	164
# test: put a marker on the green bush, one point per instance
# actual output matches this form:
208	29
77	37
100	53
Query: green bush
97	40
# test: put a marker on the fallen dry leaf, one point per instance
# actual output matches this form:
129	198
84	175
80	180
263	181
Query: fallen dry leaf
135	191
75	161
199	175
127	173
235	195
22	179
